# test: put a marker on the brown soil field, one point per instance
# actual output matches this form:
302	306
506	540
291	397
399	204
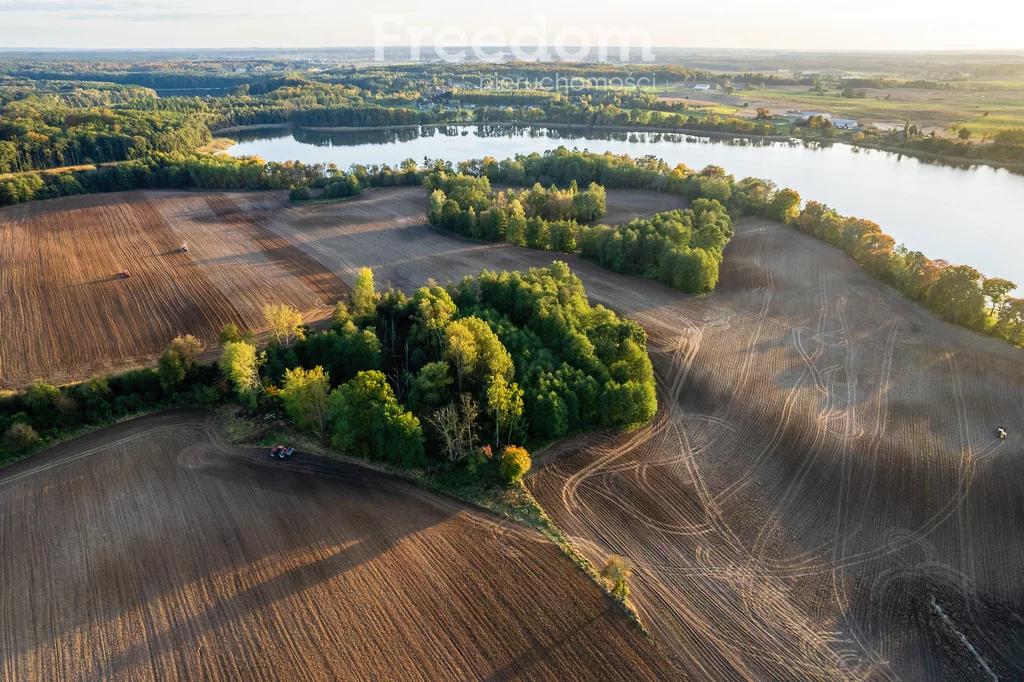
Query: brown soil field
822	477
66	314
625	205
823	468
153	550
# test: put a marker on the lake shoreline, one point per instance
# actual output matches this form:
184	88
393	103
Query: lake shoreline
1017	168
505	124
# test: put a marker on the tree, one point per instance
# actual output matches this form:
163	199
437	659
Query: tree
617	571
305	398
460	349
285	323
505	405
368	422
455	425
434	309
957	297
964	134
241	365
763	114
431	388
363	298
230	333
177	361
515	232
996	290
340	316
1011	320
515	462
591	204
784	206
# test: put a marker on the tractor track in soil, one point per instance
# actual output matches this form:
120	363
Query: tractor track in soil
823	468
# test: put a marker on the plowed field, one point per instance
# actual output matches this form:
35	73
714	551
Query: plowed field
155	551
65	312
822	495
822	479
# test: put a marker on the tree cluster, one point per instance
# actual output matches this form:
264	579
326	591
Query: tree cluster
958	293
43	412
682	248
539	218
452	374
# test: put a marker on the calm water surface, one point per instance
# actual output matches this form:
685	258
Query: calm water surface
964	215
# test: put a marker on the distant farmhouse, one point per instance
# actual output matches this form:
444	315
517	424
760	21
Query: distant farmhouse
701	88
841	123
804	115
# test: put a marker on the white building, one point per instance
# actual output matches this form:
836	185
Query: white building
844	123
701	88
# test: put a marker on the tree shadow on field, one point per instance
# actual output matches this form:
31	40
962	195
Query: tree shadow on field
924	643
103	280
189	550
187	629
537	652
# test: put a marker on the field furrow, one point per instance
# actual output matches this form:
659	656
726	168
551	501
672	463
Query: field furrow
166	554
250	221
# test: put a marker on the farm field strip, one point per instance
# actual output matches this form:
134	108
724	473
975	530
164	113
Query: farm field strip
171	554
67	311
243	273
248	218
66	314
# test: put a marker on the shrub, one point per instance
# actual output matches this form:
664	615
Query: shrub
299	194
229	333
21	437
40	396
515	462
616	571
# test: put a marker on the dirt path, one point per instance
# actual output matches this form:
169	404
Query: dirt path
153	550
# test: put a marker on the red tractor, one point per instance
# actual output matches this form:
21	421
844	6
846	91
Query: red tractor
125	274
281	451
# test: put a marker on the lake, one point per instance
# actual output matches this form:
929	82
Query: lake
964	215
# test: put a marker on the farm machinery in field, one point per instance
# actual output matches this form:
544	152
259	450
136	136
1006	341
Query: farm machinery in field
1001	433
281	452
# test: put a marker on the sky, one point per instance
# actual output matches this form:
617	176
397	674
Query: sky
771	24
